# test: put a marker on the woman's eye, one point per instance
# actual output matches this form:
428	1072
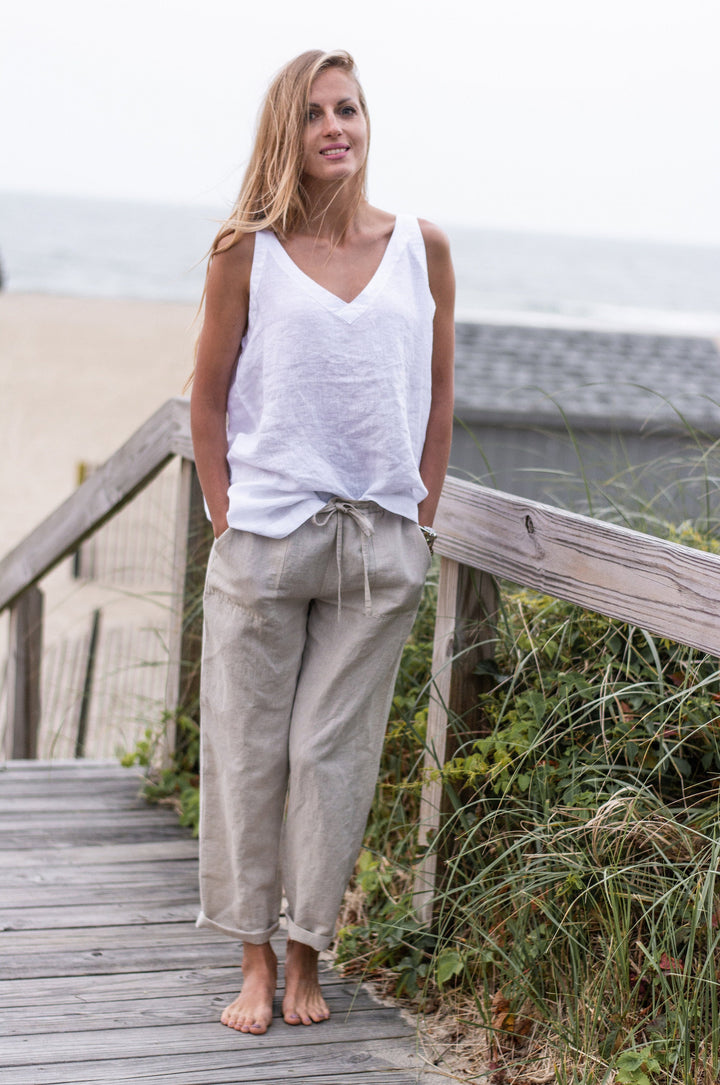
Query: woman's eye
349	110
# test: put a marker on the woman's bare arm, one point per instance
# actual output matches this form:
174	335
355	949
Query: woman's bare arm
225	320
438	436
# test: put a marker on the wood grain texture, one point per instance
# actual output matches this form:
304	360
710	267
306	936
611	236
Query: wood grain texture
23	673
104	978
668	589
464	634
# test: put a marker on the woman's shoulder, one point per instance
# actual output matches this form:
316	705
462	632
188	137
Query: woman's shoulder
234	249
232	259
436	240
439	264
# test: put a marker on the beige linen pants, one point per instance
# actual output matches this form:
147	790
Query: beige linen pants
302	642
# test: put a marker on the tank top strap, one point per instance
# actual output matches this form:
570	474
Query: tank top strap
262	243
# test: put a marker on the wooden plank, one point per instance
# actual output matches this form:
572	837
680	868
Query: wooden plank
23	674
376	1062
86	698
67	768
37	899
668	589
158	935
94	1014
464	633
128	875
77	1046
160	851
99	961
177	1074
114	987
69	801
128	986
61	917
105	821
81	836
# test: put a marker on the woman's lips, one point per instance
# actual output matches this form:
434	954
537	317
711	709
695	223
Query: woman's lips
335	151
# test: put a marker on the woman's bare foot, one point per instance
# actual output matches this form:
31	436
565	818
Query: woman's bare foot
303	1003
252	1009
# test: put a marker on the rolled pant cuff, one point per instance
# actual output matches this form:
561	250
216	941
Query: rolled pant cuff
256	938
308	938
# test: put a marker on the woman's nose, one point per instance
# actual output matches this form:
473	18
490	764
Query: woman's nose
332	124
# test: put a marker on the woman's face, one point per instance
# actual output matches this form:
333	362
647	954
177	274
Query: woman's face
335	141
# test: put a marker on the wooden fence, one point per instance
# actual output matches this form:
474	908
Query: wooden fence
670	590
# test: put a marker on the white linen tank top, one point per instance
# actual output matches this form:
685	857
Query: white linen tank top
330	398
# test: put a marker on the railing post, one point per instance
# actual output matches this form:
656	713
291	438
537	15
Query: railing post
193	539
23	677
464	634
86	699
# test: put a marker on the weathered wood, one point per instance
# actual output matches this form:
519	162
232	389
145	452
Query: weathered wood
47	917
195	1008
464	634
179	872
76	1046
60	768
86	835
127	471
193	539
161	851
123	936
38	901
129	986
23	674
365	1064
668	589
86	699
123	989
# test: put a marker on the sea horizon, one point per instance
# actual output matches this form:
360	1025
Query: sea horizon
105	248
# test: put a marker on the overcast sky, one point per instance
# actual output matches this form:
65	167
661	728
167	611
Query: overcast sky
559	115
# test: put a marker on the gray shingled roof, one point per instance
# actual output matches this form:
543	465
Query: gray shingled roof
512	372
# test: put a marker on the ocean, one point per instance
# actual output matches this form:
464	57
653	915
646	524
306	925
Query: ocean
116	249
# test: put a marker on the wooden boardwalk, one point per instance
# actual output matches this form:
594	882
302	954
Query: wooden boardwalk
103	976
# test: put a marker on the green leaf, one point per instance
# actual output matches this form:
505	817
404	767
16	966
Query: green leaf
449	964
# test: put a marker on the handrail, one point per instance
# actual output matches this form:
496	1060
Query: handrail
667	588
165	434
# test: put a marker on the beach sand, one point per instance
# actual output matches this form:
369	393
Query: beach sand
77	378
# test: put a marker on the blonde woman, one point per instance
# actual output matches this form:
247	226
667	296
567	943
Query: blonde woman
321	419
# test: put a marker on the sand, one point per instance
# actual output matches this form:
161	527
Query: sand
77	377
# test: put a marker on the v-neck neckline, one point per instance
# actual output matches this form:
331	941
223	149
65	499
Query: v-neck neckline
348	311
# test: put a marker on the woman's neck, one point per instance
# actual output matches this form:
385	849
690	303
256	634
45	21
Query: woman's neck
333	210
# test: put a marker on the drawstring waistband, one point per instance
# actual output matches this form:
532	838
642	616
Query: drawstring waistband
336	506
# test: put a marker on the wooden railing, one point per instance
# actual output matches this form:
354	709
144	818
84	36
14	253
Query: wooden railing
670	590
667	589
165	435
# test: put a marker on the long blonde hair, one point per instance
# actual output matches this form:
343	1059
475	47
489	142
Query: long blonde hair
272	195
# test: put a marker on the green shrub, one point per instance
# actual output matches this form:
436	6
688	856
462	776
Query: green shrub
582	851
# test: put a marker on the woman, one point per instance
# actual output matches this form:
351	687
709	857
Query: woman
321	418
